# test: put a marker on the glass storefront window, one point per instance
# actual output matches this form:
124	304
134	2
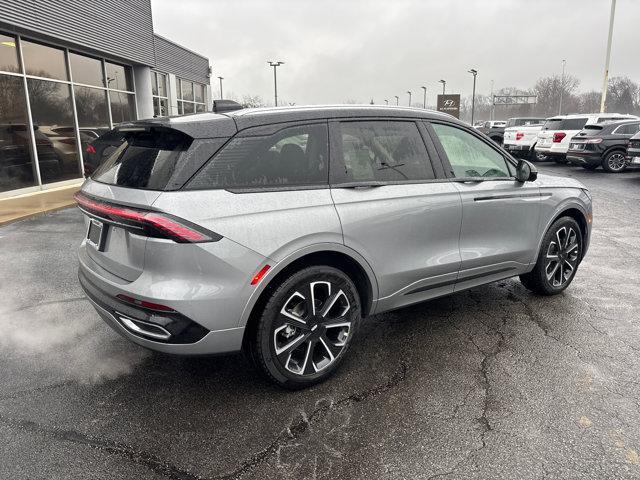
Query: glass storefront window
199	91
9	54
162	85
123	107
52	113
43	61
200	107
16	163
86	70
186	90
119	77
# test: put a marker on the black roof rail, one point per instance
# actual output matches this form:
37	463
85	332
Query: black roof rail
220	106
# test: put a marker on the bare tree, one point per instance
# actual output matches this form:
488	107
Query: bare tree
623	95
548	91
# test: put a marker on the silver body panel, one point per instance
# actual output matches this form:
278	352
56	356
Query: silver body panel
413	241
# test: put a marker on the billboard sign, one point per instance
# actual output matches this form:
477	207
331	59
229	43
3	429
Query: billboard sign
449	104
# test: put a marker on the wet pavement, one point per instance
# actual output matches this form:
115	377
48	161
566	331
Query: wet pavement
489	383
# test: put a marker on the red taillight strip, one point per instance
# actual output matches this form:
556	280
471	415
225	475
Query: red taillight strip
166	225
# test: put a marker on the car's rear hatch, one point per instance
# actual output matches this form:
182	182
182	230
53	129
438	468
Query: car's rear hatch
118	198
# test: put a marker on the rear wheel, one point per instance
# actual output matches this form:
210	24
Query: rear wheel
614	162
558	260
306	327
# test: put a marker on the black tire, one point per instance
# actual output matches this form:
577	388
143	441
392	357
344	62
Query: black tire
538	280
309	351
587	166
560	160
614	162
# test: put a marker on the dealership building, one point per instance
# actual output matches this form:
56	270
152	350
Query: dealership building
72	69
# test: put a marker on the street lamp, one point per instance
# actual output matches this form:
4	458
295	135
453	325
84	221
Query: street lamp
564	62
397	99
424	100
444	85
605	85
409	92
275	78
220	78
473	72
386	102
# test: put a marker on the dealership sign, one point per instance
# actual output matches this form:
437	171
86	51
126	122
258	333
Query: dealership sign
449	104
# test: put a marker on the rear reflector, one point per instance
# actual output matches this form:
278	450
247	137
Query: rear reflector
258	276
145	222
144	303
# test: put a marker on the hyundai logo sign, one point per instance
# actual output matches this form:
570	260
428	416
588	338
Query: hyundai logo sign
449	104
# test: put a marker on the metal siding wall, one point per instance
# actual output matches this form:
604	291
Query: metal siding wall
118	28
172	58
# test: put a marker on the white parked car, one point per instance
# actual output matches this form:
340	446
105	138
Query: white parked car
556	134
521	140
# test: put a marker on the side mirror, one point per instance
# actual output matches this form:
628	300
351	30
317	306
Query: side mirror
526	172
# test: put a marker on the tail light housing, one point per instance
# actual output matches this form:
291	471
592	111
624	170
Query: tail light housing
90	149
558	136
145	222
519	135
593	140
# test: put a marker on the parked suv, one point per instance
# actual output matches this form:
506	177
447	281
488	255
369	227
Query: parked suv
602	145
278	231
557	132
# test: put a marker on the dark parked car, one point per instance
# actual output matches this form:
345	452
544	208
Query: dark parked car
602	144
100	149
633	150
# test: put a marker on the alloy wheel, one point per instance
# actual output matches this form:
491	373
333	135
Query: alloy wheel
312	328
616	162
562	256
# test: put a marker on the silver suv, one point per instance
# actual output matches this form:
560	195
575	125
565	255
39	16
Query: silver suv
276	231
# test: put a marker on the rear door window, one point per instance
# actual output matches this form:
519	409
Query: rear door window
292	157
385	151
572	123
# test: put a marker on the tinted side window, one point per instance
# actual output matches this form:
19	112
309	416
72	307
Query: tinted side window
293	156
628	129
382	151
468	155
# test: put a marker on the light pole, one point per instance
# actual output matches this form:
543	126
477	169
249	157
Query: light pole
409	92
397	100
424	100
386	102
444	85
220	78
605	84
473	72
275	65
564	62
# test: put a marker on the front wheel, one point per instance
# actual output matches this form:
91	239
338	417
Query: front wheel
306	327
614	162
558	259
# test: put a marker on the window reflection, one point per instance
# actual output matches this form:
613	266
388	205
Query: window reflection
86	70
119	77
8	54
123	107
52	114
93	119
43	61
199	89
16	164
186	89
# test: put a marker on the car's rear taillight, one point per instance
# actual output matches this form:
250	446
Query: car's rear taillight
145	222
90	149
519	135
593	140
558	136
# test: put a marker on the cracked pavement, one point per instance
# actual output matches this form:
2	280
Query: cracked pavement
489	383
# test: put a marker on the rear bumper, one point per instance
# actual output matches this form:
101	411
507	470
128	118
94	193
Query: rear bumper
584	158
513	147
553	150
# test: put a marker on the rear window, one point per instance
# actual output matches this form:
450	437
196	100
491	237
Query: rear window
519	122
293	156
565	123
156	158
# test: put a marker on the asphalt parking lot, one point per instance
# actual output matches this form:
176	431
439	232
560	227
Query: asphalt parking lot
489	383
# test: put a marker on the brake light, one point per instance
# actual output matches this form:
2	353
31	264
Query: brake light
558	136
144	303
258	276
519	136
153	224
593	140
90	149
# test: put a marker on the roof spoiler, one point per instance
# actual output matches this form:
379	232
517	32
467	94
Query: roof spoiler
220	106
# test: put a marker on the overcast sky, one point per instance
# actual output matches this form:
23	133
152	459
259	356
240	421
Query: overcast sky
336	51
